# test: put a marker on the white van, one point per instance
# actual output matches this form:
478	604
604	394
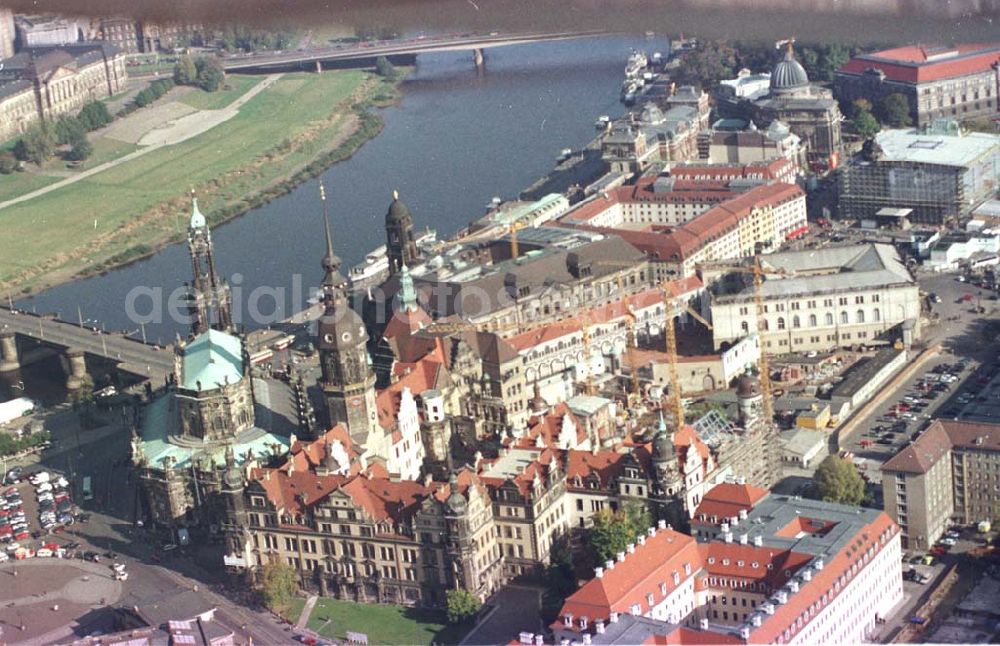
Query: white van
44	487
38	478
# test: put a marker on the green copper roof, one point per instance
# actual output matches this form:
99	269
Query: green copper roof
212	359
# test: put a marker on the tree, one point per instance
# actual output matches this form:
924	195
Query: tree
385	68
560	573
279	585
211	76
707	65
859	105
94	115
894	111
67	129
8	163
612	532
185	72
36	145
865	124
463	606
81	150
837	480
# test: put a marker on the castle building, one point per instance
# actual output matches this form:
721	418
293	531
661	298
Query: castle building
7	33
401	248
209	297
347	379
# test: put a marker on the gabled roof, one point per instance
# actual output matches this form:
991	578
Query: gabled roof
938	440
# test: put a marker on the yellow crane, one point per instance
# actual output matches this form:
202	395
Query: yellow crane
670	334
758	271
513	229
630	342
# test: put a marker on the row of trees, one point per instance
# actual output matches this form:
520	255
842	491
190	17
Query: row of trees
235	38
206	73
10	445
152	92
41	140
280	585
893	111
714	61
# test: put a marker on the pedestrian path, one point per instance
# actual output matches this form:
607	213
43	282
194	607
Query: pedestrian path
306	611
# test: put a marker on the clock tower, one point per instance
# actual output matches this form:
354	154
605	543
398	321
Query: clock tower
347	379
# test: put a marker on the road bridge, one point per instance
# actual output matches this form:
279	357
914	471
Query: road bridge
271	61
76	341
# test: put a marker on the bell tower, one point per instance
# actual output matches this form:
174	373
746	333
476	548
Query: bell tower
209	298
400	246
347	379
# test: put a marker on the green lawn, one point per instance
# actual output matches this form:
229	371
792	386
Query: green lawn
21	183
236	86
64	220
384	624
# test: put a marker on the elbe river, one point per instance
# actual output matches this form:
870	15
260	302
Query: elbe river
456	139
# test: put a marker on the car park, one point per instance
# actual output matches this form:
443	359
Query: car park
39	477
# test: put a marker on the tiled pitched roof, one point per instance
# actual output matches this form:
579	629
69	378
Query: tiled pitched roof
641	573
725	500
751	563
548	428
940	438
920	64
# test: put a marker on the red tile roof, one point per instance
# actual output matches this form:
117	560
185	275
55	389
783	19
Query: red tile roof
641	573
921	64
524	481
419	377
547	429
725	500
940	438
750	562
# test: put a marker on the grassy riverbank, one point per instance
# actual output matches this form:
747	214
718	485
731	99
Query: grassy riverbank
289	132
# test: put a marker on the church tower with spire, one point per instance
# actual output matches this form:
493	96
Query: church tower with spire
347	379
209	298
400	245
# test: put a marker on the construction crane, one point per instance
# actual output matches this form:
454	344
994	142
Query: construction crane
758	271
513	229
630	341
587	356
676	402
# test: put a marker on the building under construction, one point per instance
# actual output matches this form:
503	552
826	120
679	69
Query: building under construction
939	172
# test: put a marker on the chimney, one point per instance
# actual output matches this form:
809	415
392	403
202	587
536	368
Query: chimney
743	514
586	638
539	640
793	586
609	565
727	536
614	617
807	574
661	524
631	548
758	541
599	627
641	539
741	480
724	527
621	557
526	638
756	620
743	539
704	623
745	632
768	607
651	532
734	521
781	596
598	572
818	564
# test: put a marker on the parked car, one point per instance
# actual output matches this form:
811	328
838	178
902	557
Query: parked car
43	487
93	557
947	541
39	477
14	476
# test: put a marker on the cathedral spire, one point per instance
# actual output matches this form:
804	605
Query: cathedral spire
209	297
332	280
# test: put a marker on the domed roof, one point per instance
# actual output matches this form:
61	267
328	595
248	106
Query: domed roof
456	500
788	74
340	327
538	404
197	219
748	386
398	212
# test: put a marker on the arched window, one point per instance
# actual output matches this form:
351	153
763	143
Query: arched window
860	316
781	323
767	326
796	323
829	318
812	320
876	315
844	318
745	327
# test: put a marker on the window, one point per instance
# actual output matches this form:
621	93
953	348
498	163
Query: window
829	318
812	320
860	316
795	322
876	315
844	318
781	323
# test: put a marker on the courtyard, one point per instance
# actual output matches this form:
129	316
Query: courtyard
383	624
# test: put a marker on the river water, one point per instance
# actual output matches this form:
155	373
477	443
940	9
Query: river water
457	138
